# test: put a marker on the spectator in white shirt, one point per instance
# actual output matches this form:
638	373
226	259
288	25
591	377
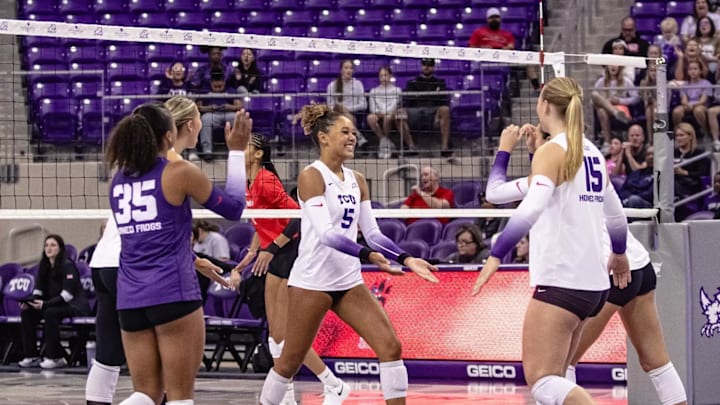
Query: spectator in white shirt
385	101
209	241
688	28
347	94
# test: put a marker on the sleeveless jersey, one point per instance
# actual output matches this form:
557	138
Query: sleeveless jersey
107	250
266	191
319	267
566	248
156	264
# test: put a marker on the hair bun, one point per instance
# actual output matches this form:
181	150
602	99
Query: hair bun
311	114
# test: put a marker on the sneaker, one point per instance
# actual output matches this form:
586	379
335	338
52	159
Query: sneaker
446	153
361	140
716	146
336	395
29	362
53	363
385	148
620	116
289	398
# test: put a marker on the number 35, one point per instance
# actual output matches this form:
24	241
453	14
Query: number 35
133	204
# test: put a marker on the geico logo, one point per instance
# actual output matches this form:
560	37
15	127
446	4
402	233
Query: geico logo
357	367
492	388
619	374
490	371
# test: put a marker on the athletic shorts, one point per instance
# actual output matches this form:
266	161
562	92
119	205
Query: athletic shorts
137	319
336	296
584	304
643	281
282	263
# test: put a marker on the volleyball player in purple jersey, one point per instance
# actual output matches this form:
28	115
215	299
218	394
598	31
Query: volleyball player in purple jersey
159	300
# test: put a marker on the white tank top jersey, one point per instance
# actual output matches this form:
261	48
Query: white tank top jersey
566	248
107	250
638	256
319	267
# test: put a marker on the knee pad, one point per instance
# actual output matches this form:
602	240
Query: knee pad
393	379
101	382
181	402
138	398
668	384
274	389
275	347
570	374
552	390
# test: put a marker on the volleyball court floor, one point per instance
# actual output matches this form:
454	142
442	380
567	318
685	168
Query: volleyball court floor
68	387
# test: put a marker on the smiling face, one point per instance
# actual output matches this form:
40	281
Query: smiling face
428	179
705	27
340	139
178	72
701	8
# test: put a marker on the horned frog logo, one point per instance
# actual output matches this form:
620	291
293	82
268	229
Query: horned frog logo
711	309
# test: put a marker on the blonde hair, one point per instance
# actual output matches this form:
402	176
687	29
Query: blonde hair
620	79
669	24
566	95
690	130
182	109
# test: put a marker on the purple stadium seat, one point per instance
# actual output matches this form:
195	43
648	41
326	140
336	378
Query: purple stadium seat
350	4
323	68
452	227
91	115
302	18
485	68
340	17
71	252
125	52
419	3
326	32
415	247
474	16
26	7
265	19
466	191
85	53
86	88
385	4
80	19
680	9
520	30
360	32
181	5
110	6
145	6
250	4
319	5
285	85
462	33
120	108
282	5
86	70
443	249
215	5
403	33
156	70
371	16
392	228
116	19
428	32
442	15
227	20
426	229
407	16
73	7
156	20
240	234
128	87
8	271
16	289
262	110
45	55
317	85
165	53
369	69
649	25
51	90
125	71
190	20
43	69
271	55
451	67
58	123
287	69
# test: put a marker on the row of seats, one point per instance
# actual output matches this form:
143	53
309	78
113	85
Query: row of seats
649	14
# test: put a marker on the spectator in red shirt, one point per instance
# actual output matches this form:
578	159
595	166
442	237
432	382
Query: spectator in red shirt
429	194
492	36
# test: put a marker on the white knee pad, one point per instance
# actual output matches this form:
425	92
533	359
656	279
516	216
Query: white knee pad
668	384
274	389
275	347
181	402
570	374
101	382
393	379
138	398
552	390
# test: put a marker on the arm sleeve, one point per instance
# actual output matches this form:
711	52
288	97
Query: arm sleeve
374	237
499	190
615	220
538	197
318	215
231	202
292	228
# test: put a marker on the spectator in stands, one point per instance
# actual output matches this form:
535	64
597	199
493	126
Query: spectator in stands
648	94
471	247
58	294
634	150
689	24
174	84
713	114
637	192
619	47
692	54
491	225
635	46
614	162
688	177
492	36
385	101
429	194
521	253
209	241
712	202
216	111
423	108
709	44
670	43
247	77
613	103
347	94
200	81
694	97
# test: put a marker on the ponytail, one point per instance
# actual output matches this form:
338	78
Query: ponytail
574	132
132	147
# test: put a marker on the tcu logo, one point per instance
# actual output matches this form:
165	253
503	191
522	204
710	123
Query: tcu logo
144	34
98	32
19	284
52	29
346	199
187	36
711	310
4	26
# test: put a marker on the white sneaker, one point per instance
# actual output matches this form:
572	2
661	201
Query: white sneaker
385	148
29	362
53	363
361	140
336	395
289	398
716	146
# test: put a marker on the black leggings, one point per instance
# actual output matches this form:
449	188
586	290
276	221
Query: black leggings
108	347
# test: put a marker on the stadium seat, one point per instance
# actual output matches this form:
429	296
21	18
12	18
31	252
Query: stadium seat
425	229
679	9
194	20
73	7
466	191
165	53
156	20
407	16
443	249
350	4
91	119
444	15
81	71
27	7
287	69
262	110
392	228
451	228
323	68
92	88
360	33
303	18
285	85
45	55
428	32
342	18
125	52
85	53
416	248
250	4
215	5
51	90
462	33
58	122
385	4
124	20
80	18
145	6
474	16
262	19
371	16
227	20
424	4
110	6
402	33
126	71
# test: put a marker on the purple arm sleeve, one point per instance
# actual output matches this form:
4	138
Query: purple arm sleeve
224	204
316	211
231	202
375	238
498	173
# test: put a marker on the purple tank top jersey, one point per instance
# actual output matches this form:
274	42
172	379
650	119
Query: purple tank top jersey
156	263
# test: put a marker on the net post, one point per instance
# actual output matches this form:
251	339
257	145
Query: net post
664	174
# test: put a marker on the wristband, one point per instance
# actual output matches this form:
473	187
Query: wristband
272	248
365	254
402	257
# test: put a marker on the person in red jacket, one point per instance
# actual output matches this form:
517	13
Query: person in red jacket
492	36
429	194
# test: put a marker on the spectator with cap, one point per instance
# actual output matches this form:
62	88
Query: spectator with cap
634	45
425	107
492	36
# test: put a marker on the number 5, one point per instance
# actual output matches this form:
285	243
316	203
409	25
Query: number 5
347	218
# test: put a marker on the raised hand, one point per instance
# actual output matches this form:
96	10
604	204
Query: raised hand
238	135
509	137
422	268
533	136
